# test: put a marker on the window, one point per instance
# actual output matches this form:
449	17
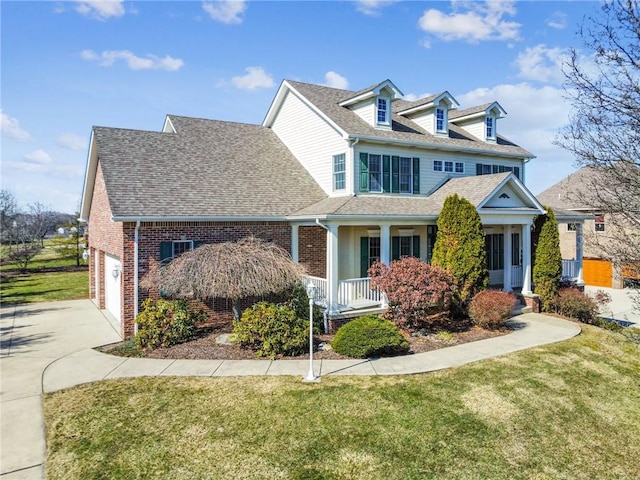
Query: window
516	258
599	225
495	251
382	111
387	173
448	166
486	169
572	227
375	173
491	131
369	253
405	245
170	250
339	172
432	233
441	121
179	247
405	175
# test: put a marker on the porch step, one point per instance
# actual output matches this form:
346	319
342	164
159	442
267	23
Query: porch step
520	309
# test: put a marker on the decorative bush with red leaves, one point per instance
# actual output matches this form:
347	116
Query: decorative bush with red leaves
419	294
490	308
572	303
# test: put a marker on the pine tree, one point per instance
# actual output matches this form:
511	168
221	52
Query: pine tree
547	267
460	247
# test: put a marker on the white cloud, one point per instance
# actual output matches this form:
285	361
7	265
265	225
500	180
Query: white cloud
37	157
373	7
100	9
472	22
256	77
558	21
410	97
150	62
225	11
11	128
541	64
335	80
71	141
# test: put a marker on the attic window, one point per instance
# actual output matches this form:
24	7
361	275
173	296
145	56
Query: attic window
383	112
491	128
441	120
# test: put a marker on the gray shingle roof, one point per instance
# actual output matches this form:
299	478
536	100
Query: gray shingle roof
453	114
327	100
207	168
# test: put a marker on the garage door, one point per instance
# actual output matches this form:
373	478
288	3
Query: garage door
597	273
112	285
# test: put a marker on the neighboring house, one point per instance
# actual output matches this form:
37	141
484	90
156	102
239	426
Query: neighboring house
588	234
340	179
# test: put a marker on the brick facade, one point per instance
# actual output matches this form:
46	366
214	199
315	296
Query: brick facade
312	249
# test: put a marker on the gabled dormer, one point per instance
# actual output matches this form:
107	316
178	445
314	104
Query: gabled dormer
431	113
373	104
480	121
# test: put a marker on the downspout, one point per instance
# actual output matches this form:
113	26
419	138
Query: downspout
325	314
135	277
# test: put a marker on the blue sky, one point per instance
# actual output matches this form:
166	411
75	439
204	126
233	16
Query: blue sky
67	66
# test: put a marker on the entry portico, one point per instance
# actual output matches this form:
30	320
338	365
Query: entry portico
363	229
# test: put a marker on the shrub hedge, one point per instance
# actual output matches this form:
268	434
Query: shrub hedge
572	303
369	336
163	323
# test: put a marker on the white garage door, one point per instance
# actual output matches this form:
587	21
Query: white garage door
112	285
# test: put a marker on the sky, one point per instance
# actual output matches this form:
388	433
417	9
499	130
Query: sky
69	66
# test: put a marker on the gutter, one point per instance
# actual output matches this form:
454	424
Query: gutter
210	218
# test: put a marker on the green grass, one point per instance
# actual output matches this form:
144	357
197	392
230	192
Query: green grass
48	257
44	287
567	411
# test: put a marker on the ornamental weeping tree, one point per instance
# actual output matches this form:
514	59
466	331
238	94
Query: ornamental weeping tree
249	267
460	247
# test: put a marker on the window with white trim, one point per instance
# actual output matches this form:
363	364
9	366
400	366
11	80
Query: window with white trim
490	128
599	223
339	172
389	173
178	247
572	227
405	175
375	173
448	166
495	251
383	113
441	120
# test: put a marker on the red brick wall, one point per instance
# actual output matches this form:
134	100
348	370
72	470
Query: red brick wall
312	250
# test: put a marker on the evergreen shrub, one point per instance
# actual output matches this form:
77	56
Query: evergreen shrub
369	336
272	330
163	323
490	308
547	266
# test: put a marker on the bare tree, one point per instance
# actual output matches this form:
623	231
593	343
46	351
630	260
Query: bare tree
602	82
232	270
8	212
42	220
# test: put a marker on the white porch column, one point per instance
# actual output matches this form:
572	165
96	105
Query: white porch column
294	242
526	259
579	251
385	244
507	259
332	268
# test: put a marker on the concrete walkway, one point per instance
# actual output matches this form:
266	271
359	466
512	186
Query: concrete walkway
48	347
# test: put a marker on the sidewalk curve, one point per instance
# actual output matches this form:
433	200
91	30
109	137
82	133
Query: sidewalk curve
49	346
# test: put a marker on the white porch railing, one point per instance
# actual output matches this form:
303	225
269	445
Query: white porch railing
570	269
516	276
351	292
357	291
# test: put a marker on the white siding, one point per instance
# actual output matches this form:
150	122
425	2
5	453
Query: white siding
429	179
367	111
475	128
426	120
312	140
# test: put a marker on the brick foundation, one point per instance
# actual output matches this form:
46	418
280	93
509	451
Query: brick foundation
532	301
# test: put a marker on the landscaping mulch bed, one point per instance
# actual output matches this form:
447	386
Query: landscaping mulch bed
206	346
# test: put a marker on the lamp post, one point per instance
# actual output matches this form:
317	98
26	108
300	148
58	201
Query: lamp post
311	293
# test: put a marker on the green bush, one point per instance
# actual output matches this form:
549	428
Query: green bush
572	303
299	302
369	336
272	330
547	264
163	323
490	308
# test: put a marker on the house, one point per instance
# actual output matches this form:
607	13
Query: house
338	178
589	228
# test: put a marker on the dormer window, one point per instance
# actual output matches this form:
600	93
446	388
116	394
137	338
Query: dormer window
383	111
490	128
441	120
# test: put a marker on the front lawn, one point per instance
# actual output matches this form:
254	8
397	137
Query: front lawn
568	410
44	287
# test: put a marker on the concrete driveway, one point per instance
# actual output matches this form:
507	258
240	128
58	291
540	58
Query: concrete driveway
33	337
621	307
